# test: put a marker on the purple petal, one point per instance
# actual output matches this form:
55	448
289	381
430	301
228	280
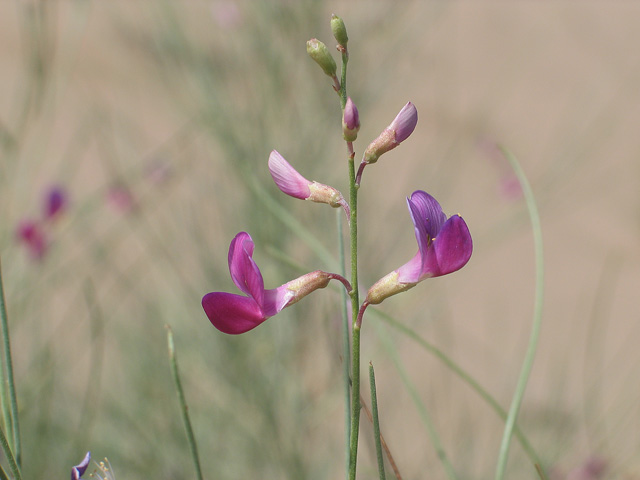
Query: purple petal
232	314
244	271
351	117
428	218
78	470
451	249
405	122
287	178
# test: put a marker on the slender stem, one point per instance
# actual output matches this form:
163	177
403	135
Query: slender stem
343	80
376	422
15	427
183	403
9	454
355	402
537	316
3	474
346	348
355	298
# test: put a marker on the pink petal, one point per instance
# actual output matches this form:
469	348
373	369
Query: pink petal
405	122
287	178
232	314
244	271
410	272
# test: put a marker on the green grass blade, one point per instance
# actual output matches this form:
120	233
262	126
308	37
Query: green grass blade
15	426
183	404
537	316
376	422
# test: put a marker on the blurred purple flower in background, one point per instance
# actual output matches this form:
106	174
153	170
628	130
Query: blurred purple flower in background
234	314
444	246
55	202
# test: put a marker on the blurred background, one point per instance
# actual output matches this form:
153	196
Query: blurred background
156	119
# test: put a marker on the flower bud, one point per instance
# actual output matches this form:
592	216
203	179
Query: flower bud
350	121
397	132
319	52
339	30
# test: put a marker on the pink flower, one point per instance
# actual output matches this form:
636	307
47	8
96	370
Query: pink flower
444	246
235	314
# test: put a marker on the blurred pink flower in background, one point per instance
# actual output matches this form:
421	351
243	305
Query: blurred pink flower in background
509	186
226	14
121	199
30	234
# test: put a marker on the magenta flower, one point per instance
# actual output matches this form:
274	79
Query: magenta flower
235	314
444	246
55	201
32	236
78	470
295	185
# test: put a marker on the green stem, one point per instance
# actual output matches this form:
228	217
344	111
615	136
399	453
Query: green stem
355	403
355	336
346	348
537	316
9	454
183	403
343	79
376	422
15	428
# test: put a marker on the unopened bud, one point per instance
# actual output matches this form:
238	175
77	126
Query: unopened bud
350	121
397	132
339	30
319	52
